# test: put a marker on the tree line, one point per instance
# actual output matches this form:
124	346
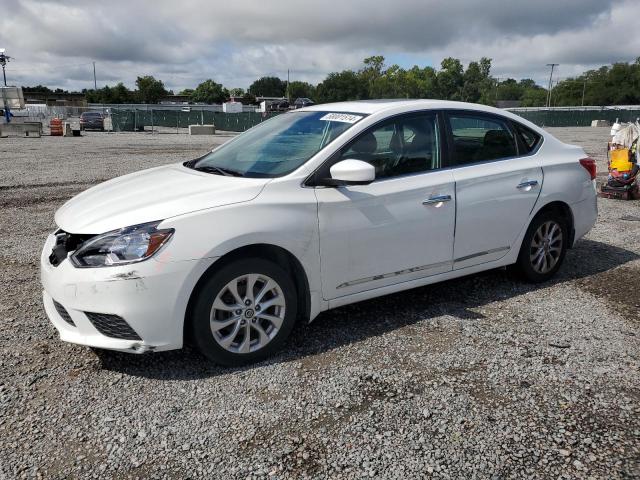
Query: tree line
609	85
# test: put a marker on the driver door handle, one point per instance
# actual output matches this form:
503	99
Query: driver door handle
437	199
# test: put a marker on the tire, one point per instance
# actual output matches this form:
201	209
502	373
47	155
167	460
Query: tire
543	248
220	320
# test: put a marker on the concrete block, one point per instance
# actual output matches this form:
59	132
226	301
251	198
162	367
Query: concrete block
232	107
71	129
26	129
202	130
600	123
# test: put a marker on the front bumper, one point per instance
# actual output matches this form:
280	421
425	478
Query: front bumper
92	125
151	296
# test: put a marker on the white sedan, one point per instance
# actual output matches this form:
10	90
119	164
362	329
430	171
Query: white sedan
316	208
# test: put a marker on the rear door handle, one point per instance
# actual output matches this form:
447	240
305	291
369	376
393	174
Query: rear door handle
438	199
528	184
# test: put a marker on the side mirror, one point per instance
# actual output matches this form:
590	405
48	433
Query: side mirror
351	172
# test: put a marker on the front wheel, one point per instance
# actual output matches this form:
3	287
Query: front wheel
244	312
543	248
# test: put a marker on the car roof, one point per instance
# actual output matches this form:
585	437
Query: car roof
369	107
375	106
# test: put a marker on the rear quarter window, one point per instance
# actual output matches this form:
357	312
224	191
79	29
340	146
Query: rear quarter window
529	139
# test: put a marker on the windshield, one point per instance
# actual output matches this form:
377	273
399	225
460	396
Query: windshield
278	146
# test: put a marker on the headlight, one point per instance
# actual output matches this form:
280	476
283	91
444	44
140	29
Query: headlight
121	247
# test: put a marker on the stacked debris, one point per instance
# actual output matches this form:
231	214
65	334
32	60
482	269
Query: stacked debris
623	155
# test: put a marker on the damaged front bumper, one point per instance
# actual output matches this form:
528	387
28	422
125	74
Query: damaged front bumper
133	308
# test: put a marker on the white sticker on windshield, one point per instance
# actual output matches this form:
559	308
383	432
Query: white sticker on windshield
341	117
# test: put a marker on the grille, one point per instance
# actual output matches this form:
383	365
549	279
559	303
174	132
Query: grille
112	326
63	313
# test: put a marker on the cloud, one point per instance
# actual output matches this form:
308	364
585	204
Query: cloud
183	43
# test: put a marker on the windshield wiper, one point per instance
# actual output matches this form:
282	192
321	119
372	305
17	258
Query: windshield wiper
219	171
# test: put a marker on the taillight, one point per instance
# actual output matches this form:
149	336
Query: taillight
590	165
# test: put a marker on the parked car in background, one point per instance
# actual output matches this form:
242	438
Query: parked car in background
279	106
92	121
321	207
303	102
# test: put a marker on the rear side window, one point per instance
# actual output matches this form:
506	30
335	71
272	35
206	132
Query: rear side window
480	138
529	139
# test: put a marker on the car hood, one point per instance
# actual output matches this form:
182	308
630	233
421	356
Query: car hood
155	194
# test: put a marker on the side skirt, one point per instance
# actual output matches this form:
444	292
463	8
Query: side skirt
398	287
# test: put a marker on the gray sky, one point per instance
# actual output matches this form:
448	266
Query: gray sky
187	41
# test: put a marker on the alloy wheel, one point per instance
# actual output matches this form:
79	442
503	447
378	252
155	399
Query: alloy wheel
546	247
247	313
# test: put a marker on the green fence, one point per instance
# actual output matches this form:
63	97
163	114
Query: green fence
127	120
131	120
577	117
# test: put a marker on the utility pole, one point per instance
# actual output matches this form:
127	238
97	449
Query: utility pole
584	87
288	93
95	83
552	65
552	102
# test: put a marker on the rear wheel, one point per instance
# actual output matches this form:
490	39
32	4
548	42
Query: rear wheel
244	312
543	248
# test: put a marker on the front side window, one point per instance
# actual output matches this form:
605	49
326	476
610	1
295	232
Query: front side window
278	146
399	146
480	139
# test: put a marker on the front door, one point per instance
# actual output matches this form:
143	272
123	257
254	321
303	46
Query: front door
401	226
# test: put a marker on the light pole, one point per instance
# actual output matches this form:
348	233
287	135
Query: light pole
288	94
4	58
552	65
3	61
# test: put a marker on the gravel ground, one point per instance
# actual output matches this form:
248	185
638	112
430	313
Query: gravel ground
482	377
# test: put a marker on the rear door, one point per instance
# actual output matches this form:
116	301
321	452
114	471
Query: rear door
497	185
